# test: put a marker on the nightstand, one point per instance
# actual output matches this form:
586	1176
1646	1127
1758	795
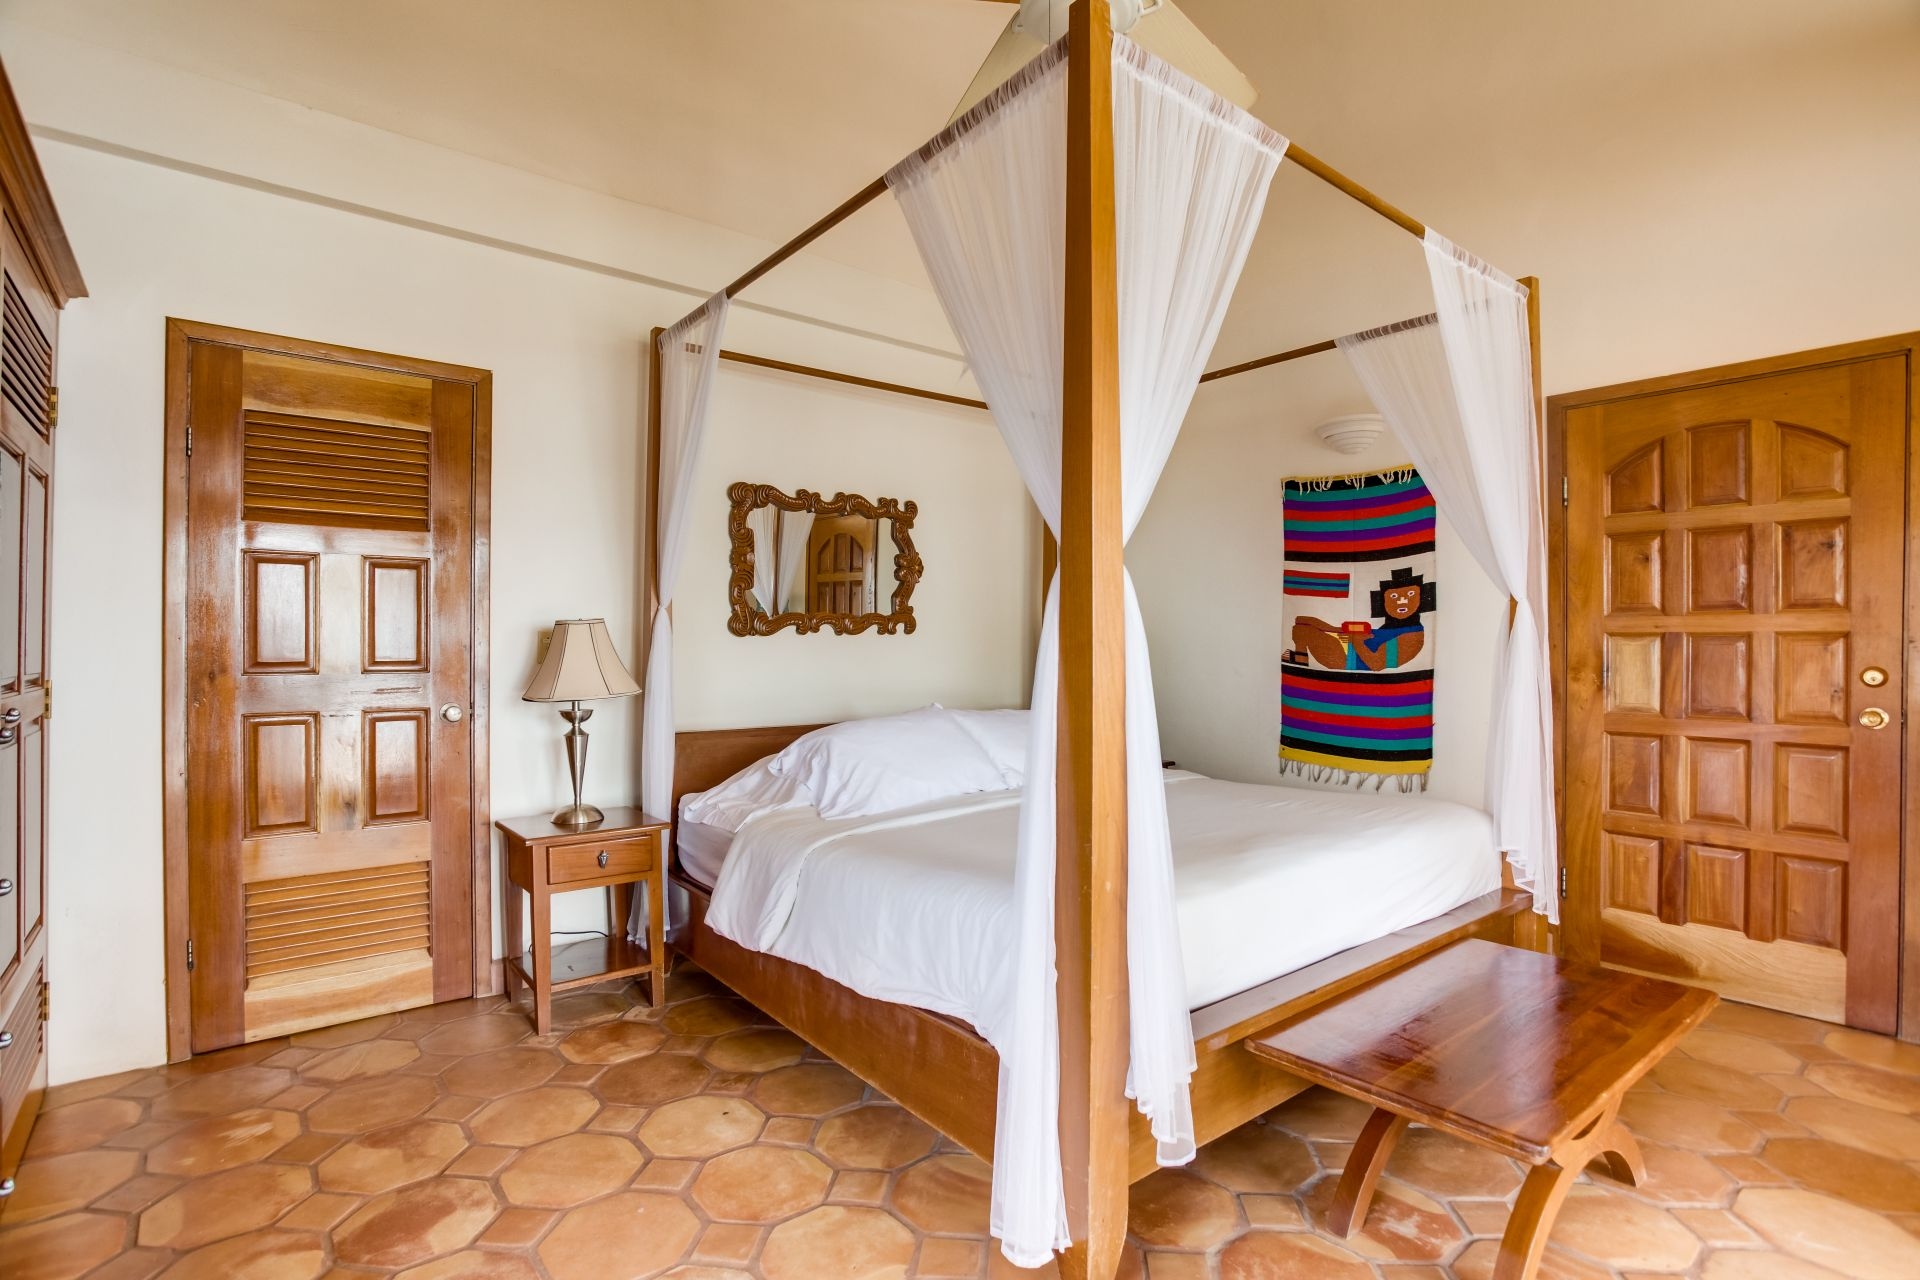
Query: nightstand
625	849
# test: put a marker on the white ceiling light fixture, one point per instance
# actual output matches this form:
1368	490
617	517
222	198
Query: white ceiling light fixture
1351	432
1157	26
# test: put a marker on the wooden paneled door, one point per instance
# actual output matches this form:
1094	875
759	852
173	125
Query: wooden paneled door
1735	682
330	672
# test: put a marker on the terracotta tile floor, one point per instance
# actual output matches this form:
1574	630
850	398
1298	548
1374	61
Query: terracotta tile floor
702	1143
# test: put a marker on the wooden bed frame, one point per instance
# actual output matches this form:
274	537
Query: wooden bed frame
941	1070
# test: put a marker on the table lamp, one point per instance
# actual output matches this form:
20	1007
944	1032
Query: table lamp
580	665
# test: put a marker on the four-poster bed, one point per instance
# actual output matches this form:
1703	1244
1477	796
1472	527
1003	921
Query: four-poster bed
1090	435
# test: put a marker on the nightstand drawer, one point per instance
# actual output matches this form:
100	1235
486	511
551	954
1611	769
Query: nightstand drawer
597	861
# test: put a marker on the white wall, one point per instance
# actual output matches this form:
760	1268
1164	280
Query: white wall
1207	562
975	611
161	235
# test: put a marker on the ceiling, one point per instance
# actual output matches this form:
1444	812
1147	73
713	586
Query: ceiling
1545	136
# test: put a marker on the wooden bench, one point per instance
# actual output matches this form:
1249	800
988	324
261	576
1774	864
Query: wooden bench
1520	1052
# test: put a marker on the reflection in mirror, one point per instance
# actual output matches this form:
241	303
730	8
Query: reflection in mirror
807	562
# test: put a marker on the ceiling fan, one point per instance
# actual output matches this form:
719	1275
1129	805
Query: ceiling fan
1156	25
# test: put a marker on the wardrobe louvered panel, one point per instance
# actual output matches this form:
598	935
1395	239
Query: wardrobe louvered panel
26	360
305	922
303	470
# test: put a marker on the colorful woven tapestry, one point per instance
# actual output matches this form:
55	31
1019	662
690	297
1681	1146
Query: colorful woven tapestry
1356	677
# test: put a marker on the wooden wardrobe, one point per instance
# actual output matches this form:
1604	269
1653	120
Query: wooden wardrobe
40	276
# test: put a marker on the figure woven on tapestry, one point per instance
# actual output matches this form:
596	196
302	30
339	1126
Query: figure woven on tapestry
1356	676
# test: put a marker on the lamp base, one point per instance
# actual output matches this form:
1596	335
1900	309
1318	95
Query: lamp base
578	815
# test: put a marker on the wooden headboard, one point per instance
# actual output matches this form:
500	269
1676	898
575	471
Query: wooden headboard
710	756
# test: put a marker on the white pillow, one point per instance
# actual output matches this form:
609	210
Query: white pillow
863	767
1003	736
752	790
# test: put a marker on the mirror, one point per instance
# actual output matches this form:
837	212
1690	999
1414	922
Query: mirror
807	562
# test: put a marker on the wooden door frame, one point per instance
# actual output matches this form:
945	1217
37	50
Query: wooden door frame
181	335
1905	345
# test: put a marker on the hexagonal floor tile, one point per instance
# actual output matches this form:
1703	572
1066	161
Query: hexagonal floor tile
570	1170
652	1080
415	1223
368	1058
876	1136
808	1089
367	1105
82	1125
761	1184
224	1204
635	1233
1178	1209
259	1255
1257	1157
1274	1255
846	1243
609	1042
758	1049
68	1245
72	1181
224	1142
503	1071
947	1195
392	1157
522	1119
701	1126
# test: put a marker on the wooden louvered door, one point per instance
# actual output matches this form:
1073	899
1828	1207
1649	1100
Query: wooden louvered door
1735	561
329	772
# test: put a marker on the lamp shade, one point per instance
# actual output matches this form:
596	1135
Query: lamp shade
581	664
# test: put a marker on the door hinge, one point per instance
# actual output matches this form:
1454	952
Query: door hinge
189	955
189	442
46	701
46	1000
53	407
1565	492
1563	881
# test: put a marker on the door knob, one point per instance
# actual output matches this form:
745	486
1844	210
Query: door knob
452	713
6	1039
1873	677
6	887
1874	718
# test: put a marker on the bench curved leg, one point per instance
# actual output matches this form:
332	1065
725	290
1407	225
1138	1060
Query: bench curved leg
1622	1154
1376	1142
1533	1213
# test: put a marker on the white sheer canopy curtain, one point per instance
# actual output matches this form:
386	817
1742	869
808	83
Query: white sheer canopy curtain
761	522
1457	388
986	205
689	359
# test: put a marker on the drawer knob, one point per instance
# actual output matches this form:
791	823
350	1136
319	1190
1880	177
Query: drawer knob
6	887
603	858
6	1039
7	735
12	715
6	1188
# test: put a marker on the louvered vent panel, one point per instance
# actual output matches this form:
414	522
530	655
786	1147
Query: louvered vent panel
22	1056
302	470
304	922
26	363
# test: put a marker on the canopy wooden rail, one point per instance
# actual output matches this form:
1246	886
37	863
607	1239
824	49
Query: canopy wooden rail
851	379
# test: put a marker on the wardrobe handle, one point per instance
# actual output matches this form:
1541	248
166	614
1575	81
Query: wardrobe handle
6	1038
12	716
6	887
8	735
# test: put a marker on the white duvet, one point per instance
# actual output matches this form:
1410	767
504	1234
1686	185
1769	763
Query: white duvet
917	906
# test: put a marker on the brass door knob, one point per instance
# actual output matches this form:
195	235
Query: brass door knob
1873	677
1874	718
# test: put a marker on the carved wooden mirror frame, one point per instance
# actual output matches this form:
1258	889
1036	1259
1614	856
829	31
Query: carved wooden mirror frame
749	621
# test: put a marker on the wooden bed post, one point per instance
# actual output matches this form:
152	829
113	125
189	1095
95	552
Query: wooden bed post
1090	921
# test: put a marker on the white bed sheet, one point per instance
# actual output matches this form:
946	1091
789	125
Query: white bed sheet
917	907
701	850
